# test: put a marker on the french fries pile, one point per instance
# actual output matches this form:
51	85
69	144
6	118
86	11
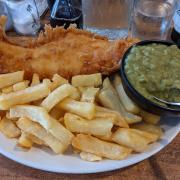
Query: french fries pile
95	117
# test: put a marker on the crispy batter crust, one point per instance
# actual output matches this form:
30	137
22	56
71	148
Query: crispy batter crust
66	52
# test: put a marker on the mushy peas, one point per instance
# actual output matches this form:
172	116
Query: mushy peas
154	70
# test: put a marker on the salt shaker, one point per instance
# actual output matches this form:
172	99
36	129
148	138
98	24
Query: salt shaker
25	16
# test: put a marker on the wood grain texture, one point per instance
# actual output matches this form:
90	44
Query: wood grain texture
164	165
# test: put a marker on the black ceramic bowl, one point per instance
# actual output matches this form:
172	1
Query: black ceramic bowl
139	99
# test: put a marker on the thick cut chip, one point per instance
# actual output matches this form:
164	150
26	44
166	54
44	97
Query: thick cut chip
40	115
149	128
35	113
8	128
24	140
8	117
93	80
107	85
47	82
11	78
37	130
84	109
108	97
152	137
82	89
90	157
107	137
100	148
7	90
24	96
57	81
21	85
57	95
76	95
35	139
89	94
77	124
52	85
35	79
131	139
129	105
102	112
110	100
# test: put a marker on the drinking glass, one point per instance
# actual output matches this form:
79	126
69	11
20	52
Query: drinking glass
107	17
151	19
25	16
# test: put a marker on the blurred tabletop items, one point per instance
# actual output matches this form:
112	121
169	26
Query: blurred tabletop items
111	18
23	15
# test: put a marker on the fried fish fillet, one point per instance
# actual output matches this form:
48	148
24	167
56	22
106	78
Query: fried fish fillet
66	52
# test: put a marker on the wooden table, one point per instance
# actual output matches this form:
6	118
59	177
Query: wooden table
164	165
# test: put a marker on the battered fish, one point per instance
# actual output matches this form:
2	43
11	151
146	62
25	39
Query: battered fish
66	52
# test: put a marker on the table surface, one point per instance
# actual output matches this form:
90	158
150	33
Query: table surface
163	165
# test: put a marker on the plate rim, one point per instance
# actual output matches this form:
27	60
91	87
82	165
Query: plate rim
112	167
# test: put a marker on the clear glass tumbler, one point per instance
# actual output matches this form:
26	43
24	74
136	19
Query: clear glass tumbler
107	17
151	19
25	16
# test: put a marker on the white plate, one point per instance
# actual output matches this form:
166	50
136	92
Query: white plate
44	159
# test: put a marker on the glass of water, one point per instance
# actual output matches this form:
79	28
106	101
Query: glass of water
107	17
151	19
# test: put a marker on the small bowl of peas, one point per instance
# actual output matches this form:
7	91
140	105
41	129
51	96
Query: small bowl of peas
151	69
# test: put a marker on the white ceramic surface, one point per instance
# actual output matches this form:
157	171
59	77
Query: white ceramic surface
44	159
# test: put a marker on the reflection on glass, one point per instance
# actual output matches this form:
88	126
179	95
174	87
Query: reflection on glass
152	19
107	17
